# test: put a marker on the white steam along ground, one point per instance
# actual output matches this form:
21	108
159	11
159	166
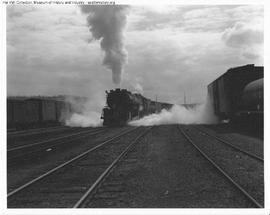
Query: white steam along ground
200	114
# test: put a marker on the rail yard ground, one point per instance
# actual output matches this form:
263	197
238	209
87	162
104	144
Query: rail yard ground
166	166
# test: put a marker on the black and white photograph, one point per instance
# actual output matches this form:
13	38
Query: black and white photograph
126	106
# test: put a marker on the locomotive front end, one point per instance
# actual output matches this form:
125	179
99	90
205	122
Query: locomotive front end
118	109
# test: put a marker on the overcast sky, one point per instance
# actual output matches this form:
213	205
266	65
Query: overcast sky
171	49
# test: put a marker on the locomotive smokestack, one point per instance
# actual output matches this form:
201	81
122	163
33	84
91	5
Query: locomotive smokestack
108	23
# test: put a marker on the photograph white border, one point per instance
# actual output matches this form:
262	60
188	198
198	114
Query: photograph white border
3	177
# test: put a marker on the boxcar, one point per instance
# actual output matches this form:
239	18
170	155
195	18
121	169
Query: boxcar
226	91
32	111
166	106
63	110
48	111
18	108
58	110
10	119
22	113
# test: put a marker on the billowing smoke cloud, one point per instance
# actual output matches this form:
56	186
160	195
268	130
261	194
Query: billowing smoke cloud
138	88
108	23
200	114
86	112
85	119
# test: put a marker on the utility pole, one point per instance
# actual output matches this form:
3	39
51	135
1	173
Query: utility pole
185	99
156	104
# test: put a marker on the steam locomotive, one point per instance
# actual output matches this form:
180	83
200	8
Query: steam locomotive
123	106
237	95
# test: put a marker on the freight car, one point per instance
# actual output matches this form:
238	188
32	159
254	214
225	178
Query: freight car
238	94
124	106
251	110
252	97
35	112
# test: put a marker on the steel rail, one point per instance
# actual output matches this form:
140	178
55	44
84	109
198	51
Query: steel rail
231	145
52	140
10	130
239	187
108	171
35	131
12	158
15	191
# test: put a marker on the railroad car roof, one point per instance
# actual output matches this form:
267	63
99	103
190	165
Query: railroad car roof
237	69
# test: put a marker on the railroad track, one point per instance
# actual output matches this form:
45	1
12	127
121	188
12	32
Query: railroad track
255	202
101	179
257	157
78	167
35	131
21	151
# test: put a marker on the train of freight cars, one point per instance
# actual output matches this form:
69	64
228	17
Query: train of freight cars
237	95
35	112
124	106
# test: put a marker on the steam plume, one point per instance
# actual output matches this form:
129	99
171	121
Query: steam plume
85	111
85	119
138	88
107	23
201	114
